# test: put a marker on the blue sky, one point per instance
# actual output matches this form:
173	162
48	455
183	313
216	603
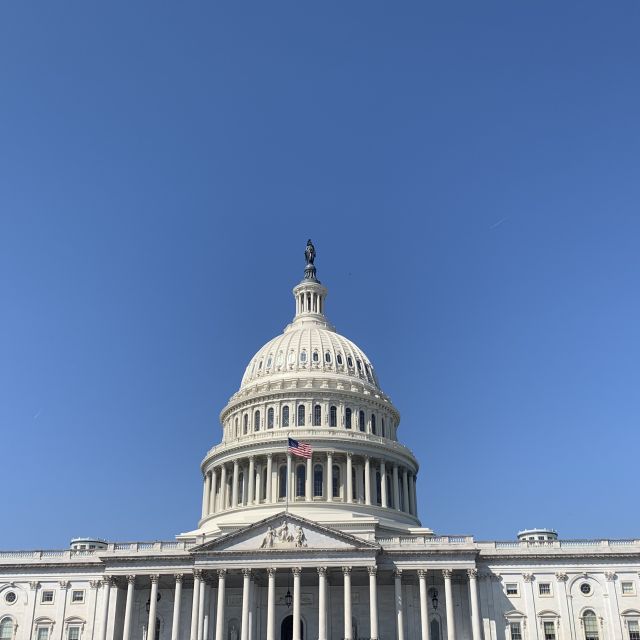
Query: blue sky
469	173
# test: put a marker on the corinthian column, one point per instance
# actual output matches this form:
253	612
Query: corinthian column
383	485
153	604
322	603
106	589
448	599
126	632
268	490
424	611
296	602
222	573
475	611
397	580
349	482
373	602
367	480
348	626
252	481
234	488
271	604
246	585
175	622
197	577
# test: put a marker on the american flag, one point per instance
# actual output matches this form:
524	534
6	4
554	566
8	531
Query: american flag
299	448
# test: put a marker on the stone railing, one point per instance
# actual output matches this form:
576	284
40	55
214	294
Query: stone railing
425	540
559	544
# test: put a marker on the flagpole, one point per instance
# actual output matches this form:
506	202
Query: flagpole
288	475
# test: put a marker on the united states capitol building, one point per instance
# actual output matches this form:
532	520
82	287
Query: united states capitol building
323	547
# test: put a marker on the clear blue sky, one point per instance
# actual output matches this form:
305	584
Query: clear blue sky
469	173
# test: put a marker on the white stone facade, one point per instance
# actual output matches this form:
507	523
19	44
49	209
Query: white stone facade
325	547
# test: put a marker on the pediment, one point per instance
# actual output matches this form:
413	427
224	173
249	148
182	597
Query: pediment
284	532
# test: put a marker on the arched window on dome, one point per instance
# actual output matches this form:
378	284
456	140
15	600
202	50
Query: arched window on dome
269	362
373	423
270	418
327	357
361	420
318	481
339	359
333	416
303	356
315	357
291	358
285	416
336	481
6	628
378	488
282	482
317	415
245	424
349	362
301	415
347	418
256	421
590	624
301	477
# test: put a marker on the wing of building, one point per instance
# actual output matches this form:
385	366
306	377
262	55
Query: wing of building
310	530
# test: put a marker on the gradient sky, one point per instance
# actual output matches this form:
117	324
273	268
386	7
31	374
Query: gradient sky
469	173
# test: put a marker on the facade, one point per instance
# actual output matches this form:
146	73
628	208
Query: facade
326	544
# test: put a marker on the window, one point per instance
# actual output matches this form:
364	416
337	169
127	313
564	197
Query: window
544	588
511	588
291	358
361	420
269	361
516	631
282	484
285	416
327	357
590	624
317	415
359	365
378	488
318	481
256	421
77	596
339	359
270	418
350	362
627	589
347	418
42	633
303	356
6	629
10	597
549	628
336	481
301	476
73	633
315	357
373	423
236	427
301	415
585	588
245	424
633	626
279	359
47	596
333	417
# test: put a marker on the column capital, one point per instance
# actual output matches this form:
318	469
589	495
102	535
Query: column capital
447	573
346	570
269	456
372	571
271	571
561	576
610	576
527	577
154	577
246	572
349	454
94	584
296	571
108	581
322	571
197	574
131	579
64	584
397	573
178	577
472	573
222	573
422	573
34	586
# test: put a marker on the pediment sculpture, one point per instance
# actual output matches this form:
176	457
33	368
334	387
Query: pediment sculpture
284	536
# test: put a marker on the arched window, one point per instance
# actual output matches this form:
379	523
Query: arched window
327	357
318	481
350	362
6	629
317	415
590	623
373	423
270	418
333	416
339	359
435	630
282	482
256	421
315	357
361	420
378	488
303	356
336	481
382	425
245	424
285	416
301	476
347	418
301	415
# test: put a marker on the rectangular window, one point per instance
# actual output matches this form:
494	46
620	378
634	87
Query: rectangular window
512	589
627	589
544	589
516	633
47	596
634	630
42	633
77	595
73	633
549	630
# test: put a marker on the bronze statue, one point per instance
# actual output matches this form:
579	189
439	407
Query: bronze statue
310	252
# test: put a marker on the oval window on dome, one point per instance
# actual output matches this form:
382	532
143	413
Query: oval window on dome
269	362
359	365
291	358
260	365
303	356
327	357
339	359
349	362
279	358
315	357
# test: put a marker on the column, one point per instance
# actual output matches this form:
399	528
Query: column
308	490
214	488
397	580
92	609
175	622
252	481
475	610
415	495
329	476
566	628
530	605
206	494
348	625
448	603
33	599
222	505
197	577
349	483
62	605
359	484
367	480
106	589
234	488
322	603
296	602
269	490
222	573
614	609
201	610
412	501
291	485
373	603
246	584
396	488
405	490
424	610
383	484
153	605
126	633
271	604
